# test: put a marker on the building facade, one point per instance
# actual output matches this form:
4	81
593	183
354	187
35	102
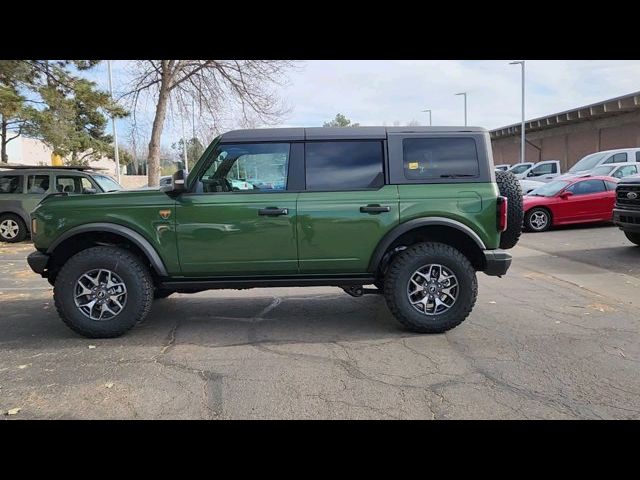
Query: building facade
568	136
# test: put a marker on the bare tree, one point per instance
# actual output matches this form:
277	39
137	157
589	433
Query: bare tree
212	85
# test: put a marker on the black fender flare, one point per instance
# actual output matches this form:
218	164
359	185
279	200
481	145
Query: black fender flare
126	232
392	235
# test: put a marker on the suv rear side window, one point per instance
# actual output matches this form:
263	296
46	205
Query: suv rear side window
343	165
617	158
11	184
435	158
37	183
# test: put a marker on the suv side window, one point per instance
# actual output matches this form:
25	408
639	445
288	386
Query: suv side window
544	169
626	171
638	156
431	158
246	167
586	187
618	157
11	184
343	165
37	183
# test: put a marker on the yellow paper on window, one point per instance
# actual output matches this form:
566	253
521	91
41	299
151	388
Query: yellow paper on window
413	165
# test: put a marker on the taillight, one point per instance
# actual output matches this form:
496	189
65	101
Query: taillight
503	203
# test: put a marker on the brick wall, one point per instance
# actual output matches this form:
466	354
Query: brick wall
569	143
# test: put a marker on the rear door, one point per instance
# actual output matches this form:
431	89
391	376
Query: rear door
346	208
38	186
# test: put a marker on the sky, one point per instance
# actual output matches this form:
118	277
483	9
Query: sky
376	92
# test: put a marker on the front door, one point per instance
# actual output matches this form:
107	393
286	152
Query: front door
238	218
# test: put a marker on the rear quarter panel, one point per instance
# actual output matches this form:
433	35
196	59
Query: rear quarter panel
473	204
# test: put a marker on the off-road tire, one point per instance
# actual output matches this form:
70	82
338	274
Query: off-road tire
633	237
22	228
509	187
159	294
527	219
128	267
411	259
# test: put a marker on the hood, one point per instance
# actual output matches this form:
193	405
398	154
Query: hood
103	200
633	180
529	201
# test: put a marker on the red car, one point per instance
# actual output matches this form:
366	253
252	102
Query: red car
572	200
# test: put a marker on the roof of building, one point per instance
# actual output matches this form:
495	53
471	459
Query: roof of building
606	108
326	133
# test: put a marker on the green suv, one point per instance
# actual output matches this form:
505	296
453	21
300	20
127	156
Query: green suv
414	211
22	188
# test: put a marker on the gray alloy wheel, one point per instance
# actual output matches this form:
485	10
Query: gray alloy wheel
538	220
9	229
100	294
432	289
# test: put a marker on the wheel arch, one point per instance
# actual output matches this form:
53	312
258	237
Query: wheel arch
95	232
430	228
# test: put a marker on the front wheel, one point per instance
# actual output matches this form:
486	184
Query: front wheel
12	228
537	220
633	237
430	287
102	292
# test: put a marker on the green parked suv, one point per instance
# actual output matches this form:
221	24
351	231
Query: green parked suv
414	211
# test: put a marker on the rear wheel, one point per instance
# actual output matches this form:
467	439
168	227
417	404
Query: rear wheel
537	220
12	228
430	287
633	237
102	292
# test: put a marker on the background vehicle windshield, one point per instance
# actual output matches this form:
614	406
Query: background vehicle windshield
520	169
108	184
549	189
602	170
588	162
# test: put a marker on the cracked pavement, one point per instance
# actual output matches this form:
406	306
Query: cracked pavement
556	338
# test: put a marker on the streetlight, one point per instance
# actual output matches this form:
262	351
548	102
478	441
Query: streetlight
465	106
429	111
522	140
113	123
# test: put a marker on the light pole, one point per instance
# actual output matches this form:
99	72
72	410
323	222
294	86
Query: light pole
113	123
429	111
465	106
522	140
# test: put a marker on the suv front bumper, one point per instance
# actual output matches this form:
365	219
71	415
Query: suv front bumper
496	262
627	219
38	262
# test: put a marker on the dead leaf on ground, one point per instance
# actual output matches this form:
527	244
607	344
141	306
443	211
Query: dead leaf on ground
109	385
13	411
92	346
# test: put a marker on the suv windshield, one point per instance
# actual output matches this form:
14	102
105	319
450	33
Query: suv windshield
108	184
588	162
549	189
520	169
602	170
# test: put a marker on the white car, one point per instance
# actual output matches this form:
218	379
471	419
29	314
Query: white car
240	184
529	185
518	168
544	171
616	170
593	160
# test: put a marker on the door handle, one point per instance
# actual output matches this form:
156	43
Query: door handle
273	211
375	209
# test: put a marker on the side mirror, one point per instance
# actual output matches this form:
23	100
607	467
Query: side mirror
565	195
531	174
89	191
178	184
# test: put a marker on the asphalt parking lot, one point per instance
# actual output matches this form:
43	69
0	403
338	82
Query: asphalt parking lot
557	338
